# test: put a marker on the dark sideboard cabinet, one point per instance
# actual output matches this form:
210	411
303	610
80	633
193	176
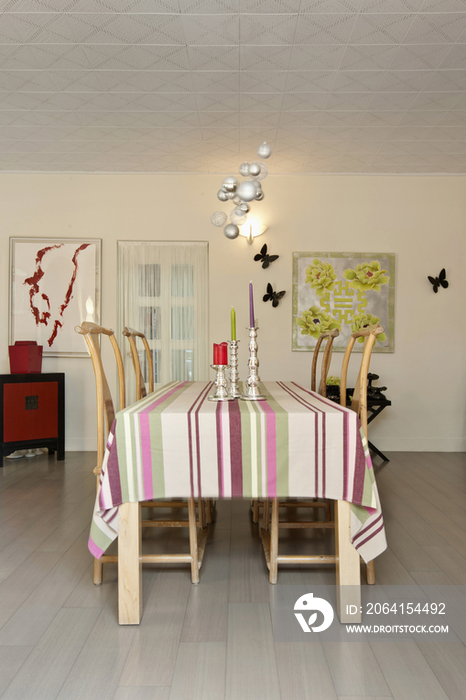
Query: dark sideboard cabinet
32	412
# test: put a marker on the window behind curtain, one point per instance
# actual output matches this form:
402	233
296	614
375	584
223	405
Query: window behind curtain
163	292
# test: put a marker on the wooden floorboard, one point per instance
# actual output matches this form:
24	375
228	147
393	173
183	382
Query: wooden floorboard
59	637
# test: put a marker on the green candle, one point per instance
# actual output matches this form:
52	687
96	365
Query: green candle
233	324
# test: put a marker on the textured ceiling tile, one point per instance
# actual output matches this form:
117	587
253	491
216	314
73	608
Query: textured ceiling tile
392	6
266	118
295	101
316	56
213	58
418	118
420	56
381	28
443	6
211	29
436	101
370	118
363	57
252	102
329	6
295	119
337	133
267	29
270	6
217	102
265	57
216	81
448	80
357	81
410	133
263	81
436	28
348	100
455	58
405	80
371	133
340	118
218	119
309	81
145	58
324	29
207	6
381	101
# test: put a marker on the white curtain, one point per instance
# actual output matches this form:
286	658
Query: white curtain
163	292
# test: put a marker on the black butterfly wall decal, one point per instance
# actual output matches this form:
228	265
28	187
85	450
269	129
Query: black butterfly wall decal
438	281
274	296
265	257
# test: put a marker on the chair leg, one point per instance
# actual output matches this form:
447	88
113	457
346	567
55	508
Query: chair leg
98	572
255	510
370	573
208	514
201	513
193	540
274	542
265	514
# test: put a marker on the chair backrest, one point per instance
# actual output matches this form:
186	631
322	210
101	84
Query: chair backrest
359	400
131	334
329	336
105	407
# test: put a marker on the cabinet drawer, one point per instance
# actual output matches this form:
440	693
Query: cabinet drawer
30	411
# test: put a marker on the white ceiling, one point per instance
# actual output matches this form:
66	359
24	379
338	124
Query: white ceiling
335	86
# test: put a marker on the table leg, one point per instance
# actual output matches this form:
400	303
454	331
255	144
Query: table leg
273	576
129	565
347	565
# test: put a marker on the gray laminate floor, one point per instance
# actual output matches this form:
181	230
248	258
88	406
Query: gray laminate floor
59	636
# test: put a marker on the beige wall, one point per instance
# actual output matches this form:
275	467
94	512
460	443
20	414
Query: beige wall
420	219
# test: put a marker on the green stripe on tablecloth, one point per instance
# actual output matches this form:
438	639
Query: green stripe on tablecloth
250	427
127	435
282	439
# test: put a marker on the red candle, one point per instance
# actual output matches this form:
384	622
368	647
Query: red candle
223	354
216	354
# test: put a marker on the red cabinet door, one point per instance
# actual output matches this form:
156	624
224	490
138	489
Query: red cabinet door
30	411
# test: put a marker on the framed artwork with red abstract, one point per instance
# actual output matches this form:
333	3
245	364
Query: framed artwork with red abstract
54	286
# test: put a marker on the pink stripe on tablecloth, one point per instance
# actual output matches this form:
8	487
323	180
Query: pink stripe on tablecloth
236	449
371	536
146	455
271	447
161	399
345	454
94	549
324	452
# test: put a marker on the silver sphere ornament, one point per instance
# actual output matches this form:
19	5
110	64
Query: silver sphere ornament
231	231
231	195
254	169
238	216
264	150
236	200
229	184
247	190
256	184
218	218
259	196
244	207
264	171
222	196
244	169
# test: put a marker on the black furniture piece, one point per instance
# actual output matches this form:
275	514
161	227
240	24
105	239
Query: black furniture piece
32	412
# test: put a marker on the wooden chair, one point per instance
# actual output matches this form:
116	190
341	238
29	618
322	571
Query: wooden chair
342	508
131	335
92	334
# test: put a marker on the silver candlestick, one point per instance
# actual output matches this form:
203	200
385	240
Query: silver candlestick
234	374
221	389
253	380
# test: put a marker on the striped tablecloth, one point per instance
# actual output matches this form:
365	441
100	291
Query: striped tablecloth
176	443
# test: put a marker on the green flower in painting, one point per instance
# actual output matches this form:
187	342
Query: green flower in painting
362	321
367	276
314	321
321	276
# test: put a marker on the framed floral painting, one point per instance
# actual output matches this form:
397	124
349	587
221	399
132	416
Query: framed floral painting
346	291
54	286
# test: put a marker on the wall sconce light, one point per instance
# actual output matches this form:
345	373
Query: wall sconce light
251	229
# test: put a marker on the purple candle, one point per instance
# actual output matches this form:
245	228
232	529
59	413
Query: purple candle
251	307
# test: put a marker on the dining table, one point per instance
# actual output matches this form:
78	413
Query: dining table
175	443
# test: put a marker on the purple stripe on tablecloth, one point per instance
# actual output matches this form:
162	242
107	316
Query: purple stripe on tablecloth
161	399
299	399
190	435
324	452
359	473
271	448
109	519
371	536
94	549
367	528
323	399
113	470
146	455
218	423
236	449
